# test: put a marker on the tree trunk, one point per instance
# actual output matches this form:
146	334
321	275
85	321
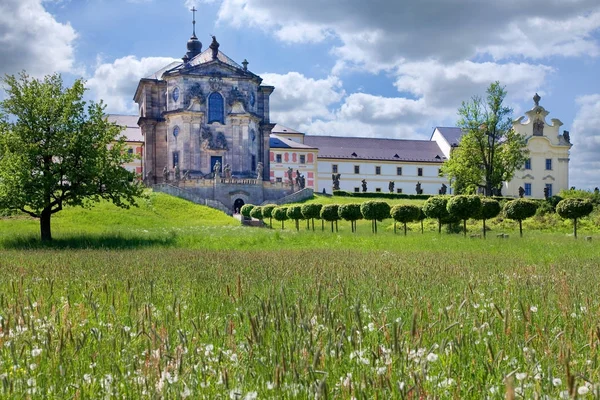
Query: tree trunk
308	225
322	225
45	230
521	228
281	224
465	227
297	224
394	227
313	224
336	225
484	229
422	231
575	227
440	226
405	229
331	226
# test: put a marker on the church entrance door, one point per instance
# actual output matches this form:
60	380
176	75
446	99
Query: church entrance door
237	205
213	161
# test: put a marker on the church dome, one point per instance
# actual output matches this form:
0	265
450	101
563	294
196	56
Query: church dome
194	47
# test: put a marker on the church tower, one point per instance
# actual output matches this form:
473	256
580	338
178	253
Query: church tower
203	110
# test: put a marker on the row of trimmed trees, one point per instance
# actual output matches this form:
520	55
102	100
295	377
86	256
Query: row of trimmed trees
444	209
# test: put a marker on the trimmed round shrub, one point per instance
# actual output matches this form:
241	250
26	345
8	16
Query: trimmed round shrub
435	207
375	211
246	209
405	213
463	207
267	212
310	212
490	208
520	209
574	209
295	213
280	214
256	212
350	212
329	212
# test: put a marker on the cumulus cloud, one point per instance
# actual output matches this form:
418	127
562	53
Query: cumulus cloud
31	39
381	34
115	82
297	100
585	136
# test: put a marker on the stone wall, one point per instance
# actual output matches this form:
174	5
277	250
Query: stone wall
191	196
295	197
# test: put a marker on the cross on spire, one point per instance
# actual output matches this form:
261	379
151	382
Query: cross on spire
193	10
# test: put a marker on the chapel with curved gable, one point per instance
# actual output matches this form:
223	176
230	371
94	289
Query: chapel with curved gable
203	110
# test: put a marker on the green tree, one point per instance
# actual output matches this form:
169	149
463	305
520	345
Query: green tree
520	209
310	212
246	210
405	213
350	212
435	207
490	208
280	214
267	211
490	151
375	211
329	212
57	150
574	209
295	213
257	213
464	207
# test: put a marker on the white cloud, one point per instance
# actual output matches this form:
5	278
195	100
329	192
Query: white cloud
31	39
584	171
381	34
115	82
297	100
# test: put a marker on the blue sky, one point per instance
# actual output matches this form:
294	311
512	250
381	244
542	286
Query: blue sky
340	67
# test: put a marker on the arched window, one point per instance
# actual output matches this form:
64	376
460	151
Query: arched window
215	108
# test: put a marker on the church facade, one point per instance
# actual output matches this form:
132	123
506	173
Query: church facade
204	111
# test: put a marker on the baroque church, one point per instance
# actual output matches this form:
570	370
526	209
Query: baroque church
204	133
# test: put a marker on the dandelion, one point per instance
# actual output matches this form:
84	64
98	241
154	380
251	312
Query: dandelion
583	390
556	382
533	309
87	378
186	392
270	386
36	352
251	396
521	375
432	357
381	370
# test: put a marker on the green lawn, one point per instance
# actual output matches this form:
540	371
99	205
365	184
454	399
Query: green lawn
175	300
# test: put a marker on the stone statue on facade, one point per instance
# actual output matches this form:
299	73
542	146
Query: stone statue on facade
214	46
300	180
538	128
177	173
546	193
418	188
298	177
259	171
227	171
217	169
290	175
336	181
391	186
521	191
364	185
166	174
567	136
443	189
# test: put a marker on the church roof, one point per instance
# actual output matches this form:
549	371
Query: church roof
375	149
277	142
451	134
278	128
158	74
132	131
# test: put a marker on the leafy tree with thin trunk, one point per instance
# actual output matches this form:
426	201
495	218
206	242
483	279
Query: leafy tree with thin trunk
257	213
520	209
56	150
490	208
295	213
329	212
574	209
435	207
310	212
350	212
422	216
464	207
246	210
375	211
404	213
267	212
490	151
280	214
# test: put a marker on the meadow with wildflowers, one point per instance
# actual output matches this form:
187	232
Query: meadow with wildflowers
189	309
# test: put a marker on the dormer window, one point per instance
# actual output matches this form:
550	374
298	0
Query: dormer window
215	108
